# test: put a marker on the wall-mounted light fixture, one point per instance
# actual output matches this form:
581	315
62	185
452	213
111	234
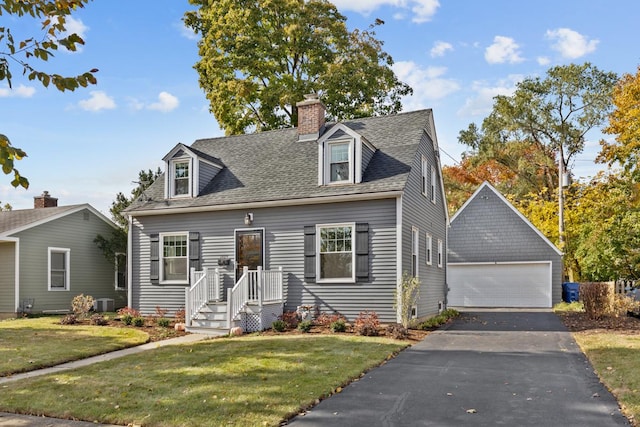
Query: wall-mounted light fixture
248	218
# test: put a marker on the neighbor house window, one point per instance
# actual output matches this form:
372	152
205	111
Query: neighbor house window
433	184
121	271
339	162
181	178
336	252
425	166
440	254
429	249
59	269
175	258
415	245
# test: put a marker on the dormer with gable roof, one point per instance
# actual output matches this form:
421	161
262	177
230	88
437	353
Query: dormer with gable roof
188	171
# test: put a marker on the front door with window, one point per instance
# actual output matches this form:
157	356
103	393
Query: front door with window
249	250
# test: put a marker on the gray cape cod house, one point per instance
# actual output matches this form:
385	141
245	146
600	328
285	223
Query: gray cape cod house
325	215
48	256
498	258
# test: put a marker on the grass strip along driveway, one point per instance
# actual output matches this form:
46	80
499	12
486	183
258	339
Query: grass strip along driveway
251	380
34	343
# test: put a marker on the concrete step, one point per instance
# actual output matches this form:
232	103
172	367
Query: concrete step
203	315
211	324
214	332
213	307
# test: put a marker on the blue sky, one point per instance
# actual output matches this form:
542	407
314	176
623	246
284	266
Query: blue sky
87	145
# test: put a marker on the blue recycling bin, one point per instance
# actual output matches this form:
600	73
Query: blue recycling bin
570	291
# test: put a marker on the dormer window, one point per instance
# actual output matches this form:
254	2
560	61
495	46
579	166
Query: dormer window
181	178
339	167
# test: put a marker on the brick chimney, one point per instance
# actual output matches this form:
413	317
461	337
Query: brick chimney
310	117
45	201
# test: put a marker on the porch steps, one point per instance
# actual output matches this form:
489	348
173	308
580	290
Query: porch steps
205	330
212	316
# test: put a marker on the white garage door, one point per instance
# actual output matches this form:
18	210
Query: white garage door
500	285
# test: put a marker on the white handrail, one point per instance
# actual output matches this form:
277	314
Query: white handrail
196	296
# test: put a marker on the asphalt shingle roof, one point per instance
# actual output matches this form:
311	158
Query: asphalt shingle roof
274	165
11	220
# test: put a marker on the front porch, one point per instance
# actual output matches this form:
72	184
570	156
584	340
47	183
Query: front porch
252	304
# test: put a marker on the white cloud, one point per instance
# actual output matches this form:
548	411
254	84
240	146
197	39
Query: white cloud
74	26
428	84
21	91
423	10
571	44
503	49
482	103
166	102
440	48
543	60
186	32
98	101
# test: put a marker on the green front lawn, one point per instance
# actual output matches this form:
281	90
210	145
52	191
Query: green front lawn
33	343
246	381
616	358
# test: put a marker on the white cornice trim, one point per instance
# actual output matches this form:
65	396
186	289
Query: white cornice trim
268	204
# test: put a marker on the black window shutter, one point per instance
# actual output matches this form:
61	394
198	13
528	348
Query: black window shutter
362	252
194	250
310	253
154	273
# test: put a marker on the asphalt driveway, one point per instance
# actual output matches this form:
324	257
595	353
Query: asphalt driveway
490	367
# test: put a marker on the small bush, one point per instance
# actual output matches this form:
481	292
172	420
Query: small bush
338	326
163	322
127	319
138	321
130	311
324	319
291	319
397	331
597	298
450	313
279	325
161	312
69	319
433	322
305	326
367	324
81	305
98	320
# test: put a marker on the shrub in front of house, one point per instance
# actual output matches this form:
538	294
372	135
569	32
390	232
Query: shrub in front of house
279	325
397	331
69	319
163	322
367	324
81	305
305	326
291	319
138	321
338	326
98	320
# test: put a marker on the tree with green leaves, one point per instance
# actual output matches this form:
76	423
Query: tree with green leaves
260	57
21	54
624	122
6	207
117	242
544	122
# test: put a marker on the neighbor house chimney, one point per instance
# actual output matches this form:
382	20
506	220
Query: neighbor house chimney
310	117
45	201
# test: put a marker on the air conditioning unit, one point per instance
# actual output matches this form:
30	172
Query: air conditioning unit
103	304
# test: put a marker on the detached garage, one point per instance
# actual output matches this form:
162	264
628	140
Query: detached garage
497	258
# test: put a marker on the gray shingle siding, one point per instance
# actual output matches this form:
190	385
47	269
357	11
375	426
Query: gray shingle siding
284	244
7	277
418	211
488	230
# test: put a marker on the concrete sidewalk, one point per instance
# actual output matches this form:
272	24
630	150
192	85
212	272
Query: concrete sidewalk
16	420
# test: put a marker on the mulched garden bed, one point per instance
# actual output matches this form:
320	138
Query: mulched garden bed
580	322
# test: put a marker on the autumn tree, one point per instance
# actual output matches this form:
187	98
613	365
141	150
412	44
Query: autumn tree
260	57
5	207
543	122
22	53
624	122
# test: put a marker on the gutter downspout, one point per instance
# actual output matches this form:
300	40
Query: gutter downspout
129	264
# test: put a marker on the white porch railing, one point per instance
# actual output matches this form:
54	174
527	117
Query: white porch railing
205	287
254	286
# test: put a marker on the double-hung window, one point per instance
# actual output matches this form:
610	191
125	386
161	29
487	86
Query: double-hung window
175	258
339	162
440	254
433	184
425	166
181	178
336	252
59	274
429	249
415	245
